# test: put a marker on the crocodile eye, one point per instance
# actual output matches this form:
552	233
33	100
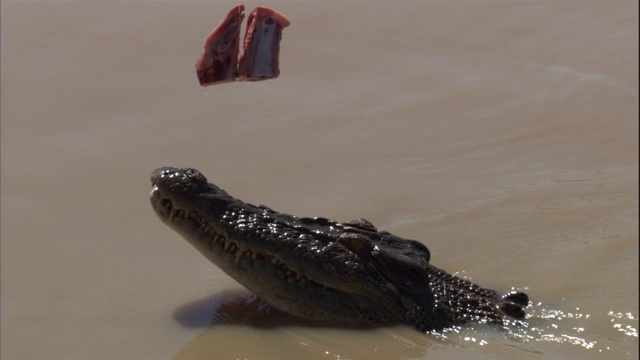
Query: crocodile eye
356	243
362	224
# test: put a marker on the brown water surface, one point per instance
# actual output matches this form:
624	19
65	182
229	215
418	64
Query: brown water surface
502	134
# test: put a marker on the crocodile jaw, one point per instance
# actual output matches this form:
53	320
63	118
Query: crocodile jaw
270	274
213	242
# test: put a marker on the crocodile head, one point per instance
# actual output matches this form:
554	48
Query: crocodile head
319	269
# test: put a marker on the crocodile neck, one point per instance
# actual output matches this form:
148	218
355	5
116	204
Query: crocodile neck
319	269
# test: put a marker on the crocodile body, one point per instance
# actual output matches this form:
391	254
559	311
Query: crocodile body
319	269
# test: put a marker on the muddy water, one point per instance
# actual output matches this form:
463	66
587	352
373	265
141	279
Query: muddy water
504	135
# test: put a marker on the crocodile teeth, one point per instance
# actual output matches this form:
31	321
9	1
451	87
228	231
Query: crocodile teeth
232	249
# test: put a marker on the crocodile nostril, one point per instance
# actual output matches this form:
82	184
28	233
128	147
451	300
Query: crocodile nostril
195	176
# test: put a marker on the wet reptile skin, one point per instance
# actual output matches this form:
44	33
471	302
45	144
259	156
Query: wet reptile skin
319	269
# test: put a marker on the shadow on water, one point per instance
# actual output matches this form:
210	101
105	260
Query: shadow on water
242	307
235	317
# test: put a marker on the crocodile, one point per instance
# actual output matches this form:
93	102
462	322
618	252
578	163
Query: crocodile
347	273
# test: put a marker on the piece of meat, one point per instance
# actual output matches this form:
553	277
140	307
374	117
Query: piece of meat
221	60
218	63
260	58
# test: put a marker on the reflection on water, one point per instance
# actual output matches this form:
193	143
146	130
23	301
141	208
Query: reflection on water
619	325
241	315
525	339
570	328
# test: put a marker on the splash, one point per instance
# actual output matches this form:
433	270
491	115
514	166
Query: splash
576	328
610	332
